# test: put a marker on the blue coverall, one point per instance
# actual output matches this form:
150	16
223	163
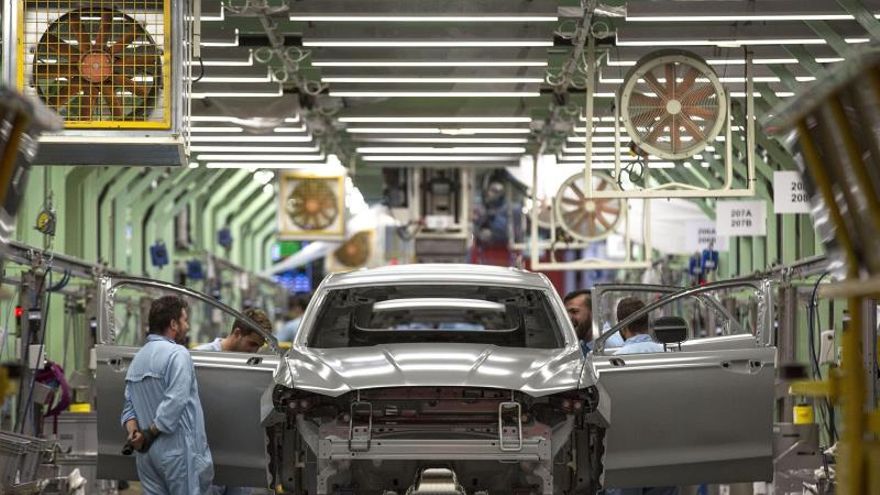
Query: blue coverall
161	389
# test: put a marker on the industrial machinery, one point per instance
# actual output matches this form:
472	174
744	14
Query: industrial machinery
118	75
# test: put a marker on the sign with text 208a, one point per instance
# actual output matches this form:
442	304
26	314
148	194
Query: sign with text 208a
741	218
789	194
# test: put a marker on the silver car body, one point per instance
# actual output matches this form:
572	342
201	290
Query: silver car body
563	422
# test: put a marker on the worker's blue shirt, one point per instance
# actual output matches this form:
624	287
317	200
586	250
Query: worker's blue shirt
613	341
289	329
216	346
639	344
161	389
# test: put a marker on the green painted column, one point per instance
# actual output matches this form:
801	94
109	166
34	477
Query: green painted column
218	195
241	226
262	223
124	225
237	200
105	235
264	240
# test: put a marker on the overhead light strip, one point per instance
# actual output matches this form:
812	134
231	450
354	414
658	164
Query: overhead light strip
431	80
254	149
735	43
266	165
427	44
440	151
731	17
421	18
435	94
437	63
261	158
439	120
423	158
440	140
251	139
438	130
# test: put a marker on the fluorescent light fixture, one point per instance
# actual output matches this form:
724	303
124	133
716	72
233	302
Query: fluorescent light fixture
456	131
439	120
301	128
739	61
261	158
254	149
438	303
225	63
854	41
742	94
427	44
442	151
220	79
435	63
227	129
736	17
431	80
268	189
292	120
725	43
432	94
193	165
425	158
267	165
421	18
445	140
251	139
234	94
595	129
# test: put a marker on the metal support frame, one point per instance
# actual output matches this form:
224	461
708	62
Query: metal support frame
675	189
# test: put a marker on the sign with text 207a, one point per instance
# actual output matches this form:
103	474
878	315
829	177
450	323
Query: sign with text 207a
741	218
789	194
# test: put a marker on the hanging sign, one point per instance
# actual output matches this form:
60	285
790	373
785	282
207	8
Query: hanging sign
789	193
741	218
701	234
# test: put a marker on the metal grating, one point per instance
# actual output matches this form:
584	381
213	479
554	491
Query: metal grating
100	63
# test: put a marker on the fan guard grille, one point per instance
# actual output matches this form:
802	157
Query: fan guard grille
312	205
584	218
672	104
354	252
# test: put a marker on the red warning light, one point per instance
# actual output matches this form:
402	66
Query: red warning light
19	311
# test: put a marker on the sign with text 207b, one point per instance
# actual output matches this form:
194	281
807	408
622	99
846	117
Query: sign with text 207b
741	218
789	195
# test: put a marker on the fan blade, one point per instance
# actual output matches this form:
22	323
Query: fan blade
105	29
689	78
51	71
75	29
123	81
655	86
87	102
602	185
669	69
696	111
577	190
697	95
639	100
605	223
129	33
647	118
657	130
570	201
674	133
692	128
141	61
117	105
613	210
591	225
54	47
65	93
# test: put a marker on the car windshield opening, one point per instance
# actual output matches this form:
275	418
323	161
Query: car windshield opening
503	316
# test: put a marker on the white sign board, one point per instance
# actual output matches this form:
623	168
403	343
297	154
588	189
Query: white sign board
700	234
789	194
741	218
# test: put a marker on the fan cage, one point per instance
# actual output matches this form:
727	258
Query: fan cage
36	17
288	229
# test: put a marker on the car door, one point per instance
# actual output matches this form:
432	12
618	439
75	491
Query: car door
230	388
701	414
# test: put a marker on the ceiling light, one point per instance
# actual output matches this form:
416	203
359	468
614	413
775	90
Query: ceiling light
427	44
224	63
436	63
193	164
445	140
431	120
301	128
229	129
263	176
254	149
269	190
431	80
436	130
236	94
422	18
447	151
234	42
267	165
251	139
424	158
261	158
630	17
792	41
292	120
430	94
219	79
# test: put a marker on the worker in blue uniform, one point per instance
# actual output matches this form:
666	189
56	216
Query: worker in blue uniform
162	413
579	306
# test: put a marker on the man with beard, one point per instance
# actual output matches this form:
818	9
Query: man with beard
162	413
579	305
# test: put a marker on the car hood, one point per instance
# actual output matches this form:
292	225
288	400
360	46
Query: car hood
333	372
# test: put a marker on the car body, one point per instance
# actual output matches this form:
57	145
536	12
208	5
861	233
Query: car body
468	378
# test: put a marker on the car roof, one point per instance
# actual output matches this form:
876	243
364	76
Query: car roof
439	273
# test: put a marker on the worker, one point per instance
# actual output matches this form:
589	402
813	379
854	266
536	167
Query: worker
579	305
162	413
637	340
242	338
298	305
